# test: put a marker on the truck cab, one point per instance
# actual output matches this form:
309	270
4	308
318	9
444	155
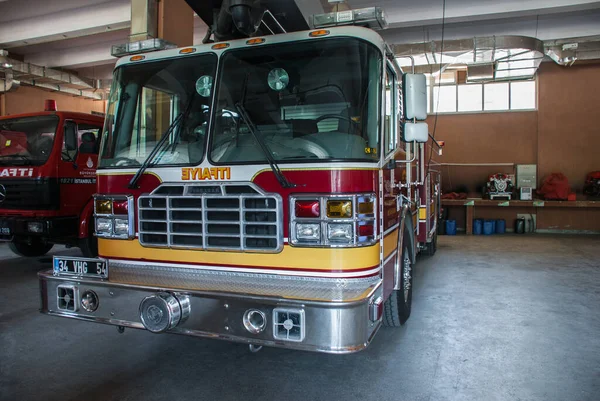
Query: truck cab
48	163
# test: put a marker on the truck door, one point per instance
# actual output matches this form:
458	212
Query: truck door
77	170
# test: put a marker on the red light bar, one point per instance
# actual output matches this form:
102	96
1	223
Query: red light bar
307	208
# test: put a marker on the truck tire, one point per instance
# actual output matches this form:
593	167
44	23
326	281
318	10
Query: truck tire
35	248
396	310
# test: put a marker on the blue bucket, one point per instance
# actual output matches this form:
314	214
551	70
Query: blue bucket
450	227
488	227
477	226
500	226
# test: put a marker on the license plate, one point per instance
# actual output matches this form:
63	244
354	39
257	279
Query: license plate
5	227
66	266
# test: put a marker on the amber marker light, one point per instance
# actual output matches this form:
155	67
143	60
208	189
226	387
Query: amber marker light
187	50
255	41
320	32
220	46
137	58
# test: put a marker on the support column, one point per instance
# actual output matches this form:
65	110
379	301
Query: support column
176	22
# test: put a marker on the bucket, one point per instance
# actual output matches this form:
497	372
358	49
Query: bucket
488	227
477	226
450	227
520	226
500	226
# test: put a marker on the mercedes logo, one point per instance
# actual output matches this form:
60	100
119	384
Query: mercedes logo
2	193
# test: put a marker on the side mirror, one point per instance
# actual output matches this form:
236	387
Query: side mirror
70	135
71	140
414	90
415	132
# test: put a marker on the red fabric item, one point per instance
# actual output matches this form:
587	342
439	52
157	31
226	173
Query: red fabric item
455	195
555	187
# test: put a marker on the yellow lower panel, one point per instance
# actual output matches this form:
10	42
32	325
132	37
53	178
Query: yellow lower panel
325	259
390	243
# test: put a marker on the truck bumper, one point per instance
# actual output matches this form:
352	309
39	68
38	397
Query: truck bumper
12	227
332	327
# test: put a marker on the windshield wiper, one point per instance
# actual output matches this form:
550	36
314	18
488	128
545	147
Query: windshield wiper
25	159
148	162
263	146
155	150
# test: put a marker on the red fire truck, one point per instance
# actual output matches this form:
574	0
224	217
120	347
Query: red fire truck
47	180
271	191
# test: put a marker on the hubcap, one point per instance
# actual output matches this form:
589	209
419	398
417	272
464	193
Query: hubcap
406	272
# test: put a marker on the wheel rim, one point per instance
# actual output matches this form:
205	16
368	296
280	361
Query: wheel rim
406	275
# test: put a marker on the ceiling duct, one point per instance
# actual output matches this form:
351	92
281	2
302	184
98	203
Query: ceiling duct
484	58
13	72
568	51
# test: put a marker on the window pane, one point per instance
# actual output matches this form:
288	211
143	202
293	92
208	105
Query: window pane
444	99
522	95
469	97
495	96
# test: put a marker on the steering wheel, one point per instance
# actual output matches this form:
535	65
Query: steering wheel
311	147
124	161
355	126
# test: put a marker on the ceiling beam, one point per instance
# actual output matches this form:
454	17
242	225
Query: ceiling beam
62	25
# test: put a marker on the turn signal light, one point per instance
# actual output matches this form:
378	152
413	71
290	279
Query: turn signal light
365	207
307	208
339	209
103	206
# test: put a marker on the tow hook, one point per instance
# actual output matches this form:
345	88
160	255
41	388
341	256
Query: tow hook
121	329
254	348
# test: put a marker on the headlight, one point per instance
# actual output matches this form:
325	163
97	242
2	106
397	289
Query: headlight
121	227
103	225
308	232
114	216
339	232
35	227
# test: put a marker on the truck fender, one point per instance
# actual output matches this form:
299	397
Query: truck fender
86	218
405	222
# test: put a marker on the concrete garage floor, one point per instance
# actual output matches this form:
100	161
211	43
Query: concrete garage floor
494	318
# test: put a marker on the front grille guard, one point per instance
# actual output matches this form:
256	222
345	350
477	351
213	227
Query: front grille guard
203	197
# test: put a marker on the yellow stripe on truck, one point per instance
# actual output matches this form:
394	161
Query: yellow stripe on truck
322	259
423	213
390	243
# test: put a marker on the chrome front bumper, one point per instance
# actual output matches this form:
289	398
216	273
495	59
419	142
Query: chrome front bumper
333	327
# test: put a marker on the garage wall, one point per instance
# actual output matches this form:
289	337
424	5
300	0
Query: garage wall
28	99
563	135
484	138
569	121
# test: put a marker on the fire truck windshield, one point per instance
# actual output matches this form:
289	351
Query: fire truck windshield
310	101
149	100
27	140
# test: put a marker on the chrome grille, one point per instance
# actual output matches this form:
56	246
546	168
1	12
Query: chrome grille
217	217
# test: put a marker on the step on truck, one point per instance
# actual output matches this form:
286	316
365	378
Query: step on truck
48	163
271	190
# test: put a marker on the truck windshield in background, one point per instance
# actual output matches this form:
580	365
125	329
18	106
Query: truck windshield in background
310	101
27	140
145	99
